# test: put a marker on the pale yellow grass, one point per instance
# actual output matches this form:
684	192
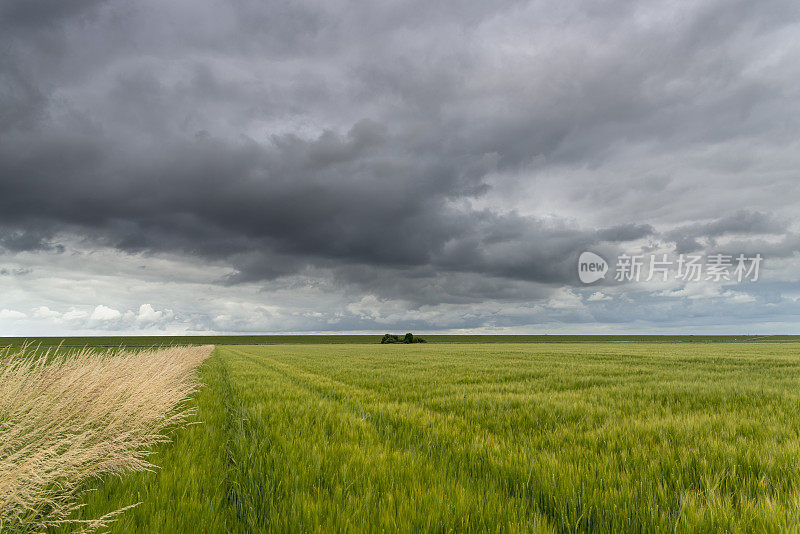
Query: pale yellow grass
66	419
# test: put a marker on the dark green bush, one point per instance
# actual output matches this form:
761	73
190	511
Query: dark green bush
408	338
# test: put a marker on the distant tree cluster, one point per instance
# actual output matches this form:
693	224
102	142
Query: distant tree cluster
408	338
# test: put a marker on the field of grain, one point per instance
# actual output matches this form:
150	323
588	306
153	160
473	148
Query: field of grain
480	437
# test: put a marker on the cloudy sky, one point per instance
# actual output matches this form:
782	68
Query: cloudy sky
332	166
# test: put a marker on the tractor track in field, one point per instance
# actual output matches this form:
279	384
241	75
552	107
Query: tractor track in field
482	469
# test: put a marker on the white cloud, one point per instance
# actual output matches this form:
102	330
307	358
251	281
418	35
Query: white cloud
735	296
74	316
565	298
11	314
104	314
598	296
369	307
43	312
149	316
702	291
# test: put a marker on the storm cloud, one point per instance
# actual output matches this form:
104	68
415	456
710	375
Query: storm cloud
442	164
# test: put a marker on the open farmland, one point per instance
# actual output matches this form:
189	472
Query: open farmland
475	437
161	341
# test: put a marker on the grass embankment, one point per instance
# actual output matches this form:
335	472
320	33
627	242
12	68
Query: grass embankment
565	438
68	418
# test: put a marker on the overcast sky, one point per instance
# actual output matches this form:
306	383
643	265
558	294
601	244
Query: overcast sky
258	166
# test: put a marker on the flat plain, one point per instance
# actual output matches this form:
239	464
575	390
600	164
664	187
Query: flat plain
566	437
316	339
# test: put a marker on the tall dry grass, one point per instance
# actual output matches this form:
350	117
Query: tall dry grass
69	418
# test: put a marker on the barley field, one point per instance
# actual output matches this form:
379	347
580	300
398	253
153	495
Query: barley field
583	437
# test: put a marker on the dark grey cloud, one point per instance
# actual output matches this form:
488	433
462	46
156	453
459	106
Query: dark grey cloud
740	222
438	153
34	14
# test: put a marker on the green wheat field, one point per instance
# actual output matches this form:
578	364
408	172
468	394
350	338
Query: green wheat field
479	437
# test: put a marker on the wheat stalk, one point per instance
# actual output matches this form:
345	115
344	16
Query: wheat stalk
69	418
